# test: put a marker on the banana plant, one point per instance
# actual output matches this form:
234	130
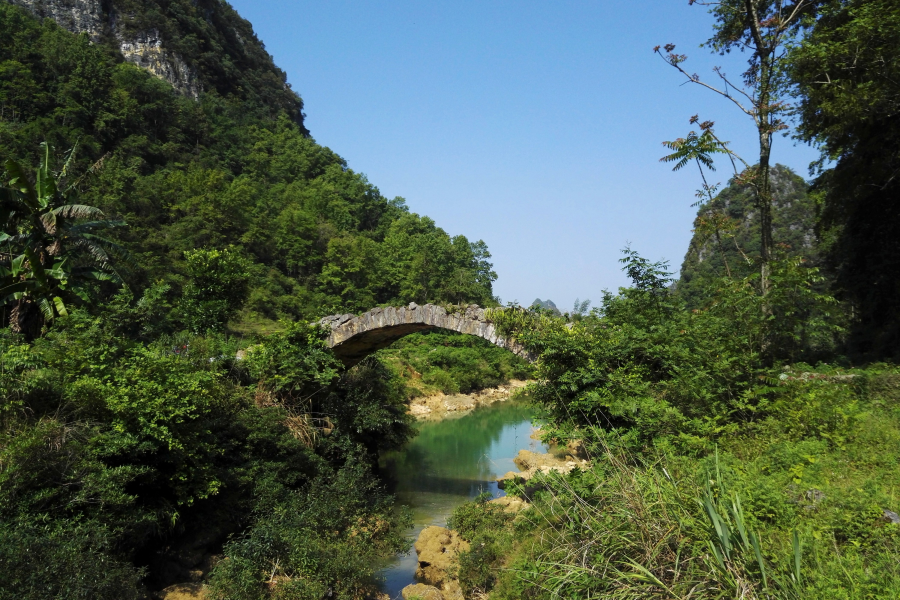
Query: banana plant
51	252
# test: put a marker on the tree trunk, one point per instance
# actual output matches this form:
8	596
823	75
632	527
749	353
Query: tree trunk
763	186
25	318
722	252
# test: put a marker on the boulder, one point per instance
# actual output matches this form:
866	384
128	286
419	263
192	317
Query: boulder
452	590
576	450
420	591
437	548
533	463
510	504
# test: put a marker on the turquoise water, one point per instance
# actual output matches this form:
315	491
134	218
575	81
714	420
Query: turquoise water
448	463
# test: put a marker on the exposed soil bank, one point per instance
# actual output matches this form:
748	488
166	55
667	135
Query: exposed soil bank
442	406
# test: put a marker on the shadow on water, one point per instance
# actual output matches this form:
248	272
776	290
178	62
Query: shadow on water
450	462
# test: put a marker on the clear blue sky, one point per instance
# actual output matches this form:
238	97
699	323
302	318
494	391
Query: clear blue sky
535	126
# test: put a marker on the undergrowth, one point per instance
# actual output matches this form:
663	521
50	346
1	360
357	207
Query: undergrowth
451	363
793	507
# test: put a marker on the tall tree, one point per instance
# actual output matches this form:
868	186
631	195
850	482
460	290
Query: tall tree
49	245
764	29
847	72
700	149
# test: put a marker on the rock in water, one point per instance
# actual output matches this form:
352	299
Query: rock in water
422	592
510	504
437	548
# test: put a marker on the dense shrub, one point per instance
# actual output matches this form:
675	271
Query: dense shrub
162	441
452	363
645	367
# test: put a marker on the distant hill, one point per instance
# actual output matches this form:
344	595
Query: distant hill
547	304
794	218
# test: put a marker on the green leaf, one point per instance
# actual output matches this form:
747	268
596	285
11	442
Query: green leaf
60	306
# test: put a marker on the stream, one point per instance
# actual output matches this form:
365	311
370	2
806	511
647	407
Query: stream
449	462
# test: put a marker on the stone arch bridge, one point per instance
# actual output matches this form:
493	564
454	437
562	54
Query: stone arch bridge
355	337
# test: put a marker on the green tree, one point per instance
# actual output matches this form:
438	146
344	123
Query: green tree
699	149
217	288
733	213
764	29
847	73
49	246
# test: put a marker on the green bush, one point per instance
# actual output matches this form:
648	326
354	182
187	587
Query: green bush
484	526
168	441
63	561
217	288
452	363
645	368
326	536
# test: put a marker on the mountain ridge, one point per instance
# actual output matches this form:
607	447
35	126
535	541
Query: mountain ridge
194	45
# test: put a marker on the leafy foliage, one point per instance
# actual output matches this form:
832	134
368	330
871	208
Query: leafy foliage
51	246
232	170
846	73
653	371
77	562
217	288
451	363
158	442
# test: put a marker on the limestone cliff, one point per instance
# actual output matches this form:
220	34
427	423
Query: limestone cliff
195	45
793	212
78	16
143	48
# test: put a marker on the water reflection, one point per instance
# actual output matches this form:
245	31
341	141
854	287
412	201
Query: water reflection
449	462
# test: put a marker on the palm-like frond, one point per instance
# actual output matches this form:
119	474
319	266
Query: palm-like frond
117	251
15	240
77	211
46	308
45	184
694	147
20	185
9	204
85	227
50	244
96	274
95	251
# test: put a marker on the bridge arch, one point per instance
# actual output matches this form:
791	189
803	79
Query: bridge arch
354	337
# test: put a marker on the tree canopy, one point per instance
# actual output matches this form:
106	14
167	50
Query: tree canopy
230	170
847	74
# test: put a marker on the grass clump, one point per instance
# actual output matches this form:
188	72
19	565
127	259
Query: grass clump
721	465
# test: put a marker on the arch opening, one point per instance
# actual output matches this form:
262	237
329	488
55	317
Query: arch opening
354	337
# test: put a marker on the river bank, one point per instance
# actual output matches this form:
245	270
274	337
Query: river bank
441	406
451	461
438	549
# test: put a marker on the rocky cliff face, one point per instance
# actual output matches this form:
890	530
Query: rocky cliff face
144	49
195	45
78	16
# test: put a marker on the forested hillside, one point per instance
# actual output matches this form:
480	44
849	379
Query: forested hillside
164	402
726	233
169	414
234	169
